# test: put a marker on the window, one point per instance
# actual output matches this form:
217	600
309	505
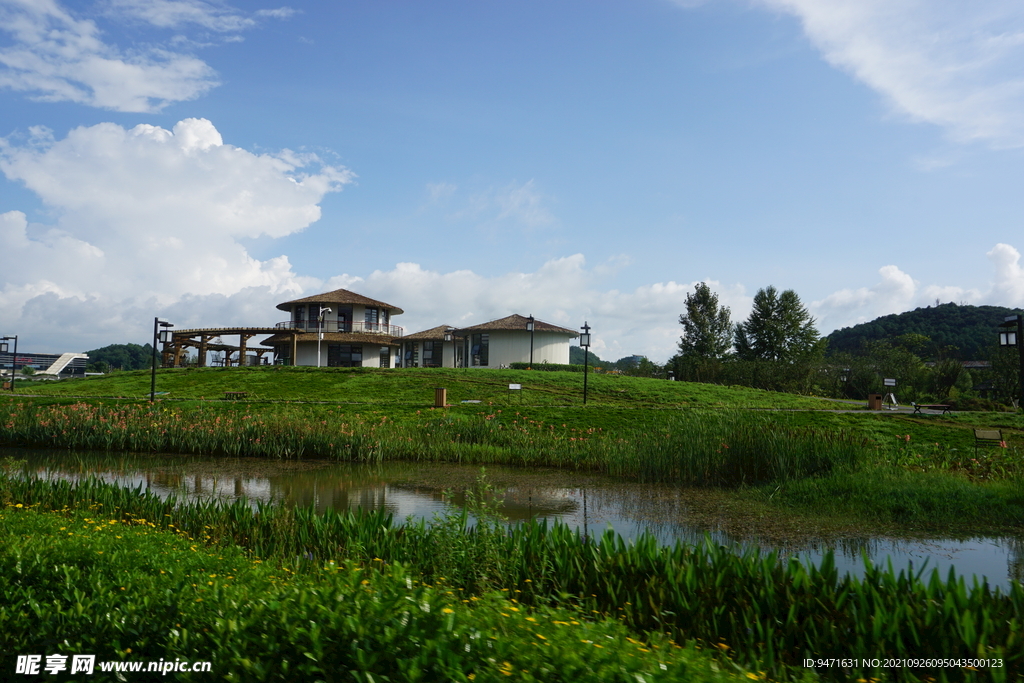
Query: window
478	348
412	355
385	357
344	317
344	356
428	355
372	319
300	316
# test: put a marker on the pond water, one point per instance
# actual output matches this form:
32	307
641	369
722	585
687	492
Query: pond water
587	502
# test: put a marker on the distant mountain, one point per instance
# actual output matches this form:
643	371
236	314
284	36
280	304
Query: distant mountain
970	330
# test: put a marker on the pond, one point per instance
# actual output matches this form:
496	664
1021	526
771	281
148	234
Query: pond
590	503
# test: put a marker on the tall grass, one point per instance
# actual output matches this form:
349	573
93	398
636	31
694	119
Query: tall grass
696	447
759	610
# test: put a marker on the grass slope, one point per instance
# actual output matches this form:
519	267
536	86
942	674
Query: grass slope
415	387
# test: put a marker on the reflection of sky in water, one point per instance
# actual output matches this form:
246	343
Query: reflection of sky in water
629	510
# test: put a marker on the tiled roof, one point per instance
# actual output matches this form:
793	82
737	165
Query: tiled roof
517	322
340	296
433	334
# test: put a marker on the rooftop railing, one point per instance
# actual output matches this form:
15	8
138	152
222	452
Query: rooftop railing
343	327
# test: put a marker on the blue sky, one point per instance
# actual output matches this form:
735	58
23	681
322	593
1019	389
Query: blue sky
580	160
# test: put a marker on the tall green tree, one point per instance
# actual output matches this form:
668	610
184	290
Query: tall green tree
707	327
779	329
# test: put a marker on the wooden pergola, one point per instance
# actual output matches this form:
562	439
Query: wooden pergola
202	339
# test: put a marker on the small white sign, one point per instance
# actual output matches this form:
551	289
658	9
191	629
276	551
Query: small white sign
889	382
514	387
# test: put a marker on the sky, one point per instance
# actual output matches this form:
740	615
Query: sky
580	161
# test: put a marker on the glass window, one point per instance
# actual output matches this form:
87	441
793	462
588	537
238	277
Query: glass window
372	318
344	355
300	315
385	357
478	348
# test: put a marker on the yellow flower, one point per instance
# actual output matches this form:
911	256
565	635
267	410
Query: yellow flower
447	610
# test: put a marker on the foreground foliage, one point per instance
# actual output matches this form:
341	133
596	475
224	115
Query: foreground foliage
88	582
755	610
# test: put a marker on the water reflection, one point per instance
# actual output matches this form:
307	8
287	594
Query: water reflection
588	503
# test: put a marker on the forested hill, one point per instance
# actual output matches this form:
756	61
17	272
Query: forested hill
972	330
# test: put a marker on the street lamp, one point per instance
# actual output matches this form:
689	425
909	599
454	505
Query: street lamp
14	357
320	332
585	343
1012	334
165	336
529	328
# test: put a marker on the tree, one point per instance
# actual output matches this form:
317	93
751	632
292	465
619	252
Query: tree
779	329
707	328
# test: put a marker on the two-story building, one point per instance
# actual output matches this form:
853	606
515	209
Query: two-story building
339	329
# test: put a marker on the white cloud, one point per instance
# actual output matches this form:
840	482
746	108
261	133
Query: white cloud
563	291
178	13
516	203
950	63
57	56
897	292
150	218
60	58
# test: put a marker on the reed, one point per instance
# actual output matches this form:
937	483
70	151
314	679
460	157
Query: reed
756	609
720	448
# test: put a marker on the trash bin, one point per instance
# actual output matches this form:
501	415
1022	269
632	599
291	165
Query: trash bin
874	401
7	386
440	397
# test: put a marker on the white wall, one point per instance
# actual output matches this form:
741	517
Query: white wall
513	346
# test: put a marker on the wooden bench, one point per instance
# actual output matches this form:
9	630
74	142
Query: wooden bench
235	395
988	437
931	406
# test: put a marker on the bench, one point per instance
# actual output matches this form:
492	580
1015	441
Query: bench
988	437
931	406
234	395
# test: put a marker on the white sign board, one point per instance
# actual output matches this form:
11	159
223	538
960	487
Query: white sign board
514	387
889	382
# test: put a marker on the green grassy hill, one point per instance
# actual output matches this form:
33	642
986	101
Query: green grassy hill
415	387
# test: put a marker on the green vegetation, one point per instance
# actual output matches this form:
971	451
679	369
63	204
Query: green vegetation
107	550
120	357
965	332
415	387
109	583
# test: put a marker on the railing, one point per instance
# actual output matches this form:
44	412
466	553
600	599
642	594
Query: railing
335	326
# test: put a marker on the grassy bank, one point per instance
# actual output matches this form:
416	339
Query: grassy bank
415	387
762	614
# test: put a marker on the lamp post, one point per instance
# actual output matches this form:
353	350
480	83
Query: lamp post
320	331
585	343
14	357
1012	334
164	336
529	327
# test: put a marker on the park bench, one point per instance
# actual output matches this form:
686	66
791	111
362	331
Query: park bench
988	437
234	395
931	406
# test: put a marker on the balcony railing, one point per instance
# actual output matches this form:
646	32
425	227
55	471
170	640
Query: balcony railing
335	326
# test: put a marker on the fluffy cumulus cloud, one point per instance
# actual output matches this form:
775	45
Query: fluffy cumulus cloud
563	291
147	217
897	291
57	55
950	63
